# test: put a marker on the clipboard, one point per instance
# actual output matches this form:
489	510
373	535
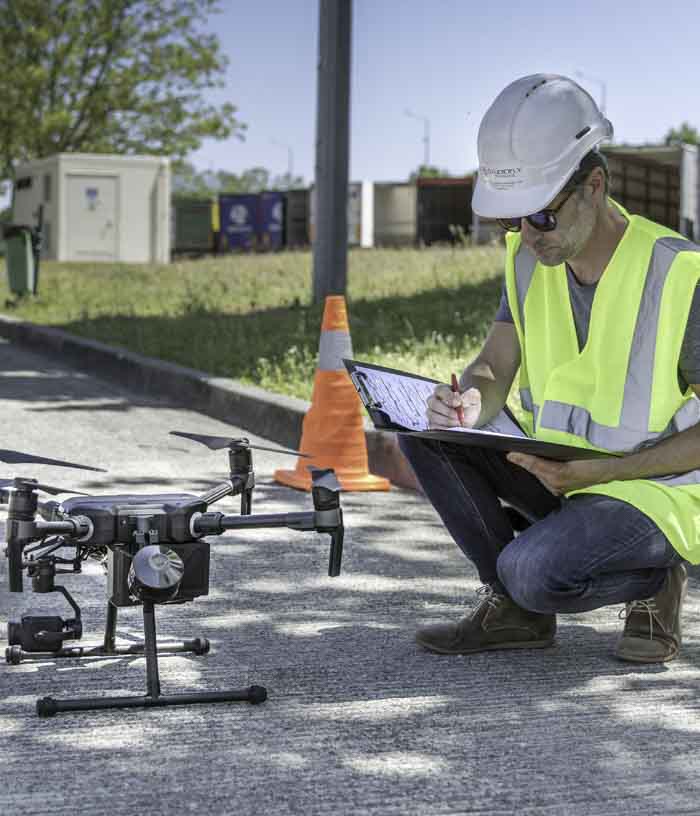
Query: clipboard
371	381
381	420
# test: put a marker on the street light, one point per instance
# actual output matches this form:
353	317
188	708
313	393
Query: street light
426	133
290	157
603	87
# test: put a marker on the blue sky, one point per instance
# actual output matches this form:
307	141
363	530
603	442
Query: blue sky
447	60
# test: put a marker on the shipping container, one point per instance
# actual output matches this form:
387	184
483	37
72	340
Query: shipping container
659	182
239	221
270	221
360	214
97	207
261	221
395	214
193	225
296	219
444	209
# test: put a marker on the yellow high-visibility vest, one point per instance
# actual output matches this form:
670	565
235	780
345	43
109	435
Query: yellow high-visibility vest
620	393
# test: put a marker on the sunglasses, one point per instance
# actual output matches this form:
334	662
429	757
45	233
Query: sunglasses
543	221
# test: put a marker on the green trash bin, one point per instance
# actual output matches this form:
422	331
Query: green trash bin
21	258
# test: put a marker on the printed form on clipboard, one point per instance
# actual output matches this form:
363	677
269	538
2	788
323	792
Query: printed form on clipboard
396	401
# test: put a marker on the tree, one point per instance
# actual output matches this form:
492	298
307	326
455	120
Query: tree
122	76
254	180
187	181
287	181
686	133
428	171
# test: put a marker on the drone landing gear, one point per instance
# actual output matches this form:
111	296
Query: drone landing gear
48	707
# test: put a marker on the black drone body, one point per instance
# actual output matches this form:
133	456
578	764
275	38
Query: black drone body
156	552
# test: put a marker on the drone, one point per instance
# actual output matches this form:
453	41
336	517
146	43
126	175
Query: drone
155	551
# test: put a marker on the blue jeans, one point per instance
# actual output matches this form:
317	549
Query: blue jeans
572	555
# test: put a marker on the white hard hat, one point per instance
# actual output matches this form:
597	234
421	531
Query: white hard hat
531	141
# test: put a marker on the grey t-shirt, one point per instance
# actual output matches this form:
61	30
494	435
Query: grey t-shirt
581	296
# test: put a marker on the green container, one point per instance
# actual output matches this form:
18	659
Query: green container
193	225
20	260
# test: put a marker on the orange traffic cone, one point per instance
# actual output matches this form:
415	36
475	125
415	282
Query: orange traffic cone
332	432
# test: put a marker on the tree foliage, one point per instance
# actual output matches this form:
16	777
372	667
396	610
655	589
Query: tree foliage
123	76
428	171
685	134
188	181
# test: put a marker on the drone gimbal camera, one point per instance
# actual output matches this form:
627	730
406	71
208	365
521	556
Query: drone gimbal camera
155	551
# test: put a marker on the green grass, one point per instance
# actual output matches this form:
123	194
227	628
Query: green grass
250	317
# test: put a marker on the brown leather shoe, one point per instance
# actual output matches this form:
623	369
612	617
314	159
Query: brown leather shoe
495	623
653	626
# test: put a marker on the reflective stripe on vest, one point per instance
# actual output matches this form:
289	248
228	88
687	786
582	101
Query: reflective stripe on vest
632	432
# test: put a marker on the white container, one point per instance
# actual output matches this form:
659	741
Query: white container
360	214
98	207
690	192
395	213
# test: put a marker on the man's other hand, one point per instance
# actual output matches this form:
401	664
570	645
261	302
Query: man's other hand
561	477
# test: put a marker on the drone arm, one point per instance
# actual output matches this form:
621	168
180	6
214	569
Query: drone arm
74	526
322	521
48	509
232	487
217	523
22	531
218	492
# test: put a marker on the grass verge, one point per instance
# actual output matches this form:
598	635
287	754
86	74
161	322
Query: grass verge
250	317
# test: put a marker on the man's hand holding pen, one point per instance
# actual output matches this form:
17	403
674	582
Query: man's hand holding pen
442	407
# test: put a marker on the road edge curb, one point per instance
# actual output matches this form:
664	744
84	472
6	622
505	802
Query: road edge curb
274	416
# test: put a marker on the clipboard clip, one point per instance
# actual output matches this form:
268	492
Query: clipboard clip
358	378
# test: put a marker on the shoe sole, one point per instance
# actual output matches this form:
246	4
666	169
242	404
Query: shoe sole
631	659
531	644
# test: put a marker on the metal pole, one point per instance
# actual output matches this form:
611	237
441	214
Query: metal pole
426	134
330	246
290	156
426	139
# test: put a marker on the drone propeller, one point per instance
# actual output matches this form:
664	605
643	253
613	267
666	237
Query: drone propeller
220	442
20	481
12	457
324	477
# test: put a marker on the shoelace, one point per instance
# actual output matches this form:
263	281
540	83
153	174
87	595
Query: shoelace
647	605
489	595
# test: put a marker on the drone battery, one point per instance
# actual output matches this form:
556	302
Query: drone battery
195	581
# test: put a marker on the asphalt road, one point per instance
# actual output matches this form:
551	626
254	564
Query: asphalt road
358	719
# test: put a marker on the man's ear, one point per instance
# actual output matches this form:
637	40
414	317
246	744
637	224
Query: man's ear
596	181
